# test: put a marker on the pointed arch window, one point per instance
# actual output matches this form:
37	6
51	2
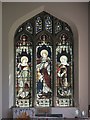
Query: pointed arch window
44	63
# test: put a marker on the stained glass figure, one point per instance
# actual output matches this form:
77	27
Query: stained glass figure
48	24
38	23
23	71
43	74
64	83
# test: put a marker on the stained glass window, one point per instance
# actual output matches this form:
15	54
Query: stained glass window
23	71
64	70
44	63
43	72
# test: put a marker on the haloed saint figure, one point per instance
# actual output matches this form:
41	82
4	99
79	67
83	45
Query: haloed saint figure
62	71
23	68
43	76
43	73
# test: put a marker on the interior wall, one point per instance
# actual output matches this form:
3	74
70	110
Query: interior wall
0	60
76	13
88	53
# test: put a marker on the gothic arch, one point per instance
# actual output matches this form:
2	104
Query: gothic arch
11	60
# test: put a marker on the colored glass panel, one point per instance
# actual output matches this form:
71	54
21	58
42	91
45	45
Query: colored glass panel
48	24
58	27
23	72
52	43
29	28
43	74
64	62
38	23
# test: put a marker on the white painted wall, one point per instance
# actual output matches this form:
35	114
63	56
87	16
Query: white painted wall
0	60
